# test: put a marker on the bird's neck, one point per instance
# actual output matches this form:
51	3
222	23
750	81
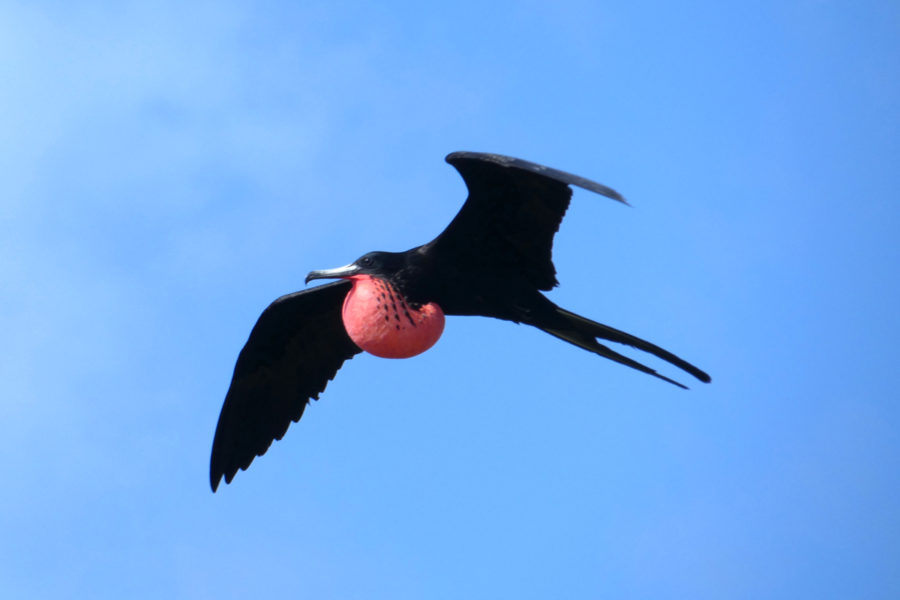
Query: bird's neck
380	320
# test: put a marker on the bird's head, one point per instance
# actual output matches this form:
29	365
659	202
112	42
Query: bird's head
377	264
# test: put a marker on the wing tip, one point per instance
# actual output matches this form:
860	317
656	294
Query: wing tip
518	163
216	476
216	473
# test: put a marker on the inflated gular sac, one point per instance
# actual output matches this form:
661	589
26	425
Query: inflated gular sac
380	321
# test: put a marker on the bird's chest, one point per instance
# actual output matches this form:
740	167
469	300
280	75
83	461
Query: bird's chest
380	321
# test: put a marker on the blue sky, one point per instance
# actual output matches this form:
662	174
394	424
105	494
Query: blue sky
170	168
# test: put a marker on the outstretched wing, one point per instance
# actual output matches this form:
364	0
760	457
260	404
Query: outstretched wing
296	347
508	222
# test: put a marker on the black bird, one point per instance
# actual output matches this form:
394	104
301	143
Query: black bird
493	260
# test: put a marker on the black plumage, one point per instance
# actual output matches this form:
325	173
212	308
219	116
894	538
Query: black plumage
493	260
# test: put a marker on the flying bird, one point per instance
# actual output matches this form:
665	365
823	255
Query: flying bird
492	260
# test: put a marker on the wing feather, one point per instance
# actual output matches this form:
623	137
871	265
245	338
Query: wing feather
508	222
294	350
457	158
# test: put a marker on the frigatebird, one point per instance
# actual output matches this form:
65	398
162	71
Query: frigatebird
493	260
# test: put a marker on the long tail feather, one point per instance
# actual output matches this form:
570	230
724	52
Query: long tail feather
583	333
614	335
590	344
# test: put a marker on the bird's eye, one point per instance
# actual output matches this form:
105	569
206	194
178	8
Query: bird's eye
366	262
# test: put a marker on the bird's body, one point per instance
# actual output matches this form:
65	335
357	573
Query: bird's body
493	260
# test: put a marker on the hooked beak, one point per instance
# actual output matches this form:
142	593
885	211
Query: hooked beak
345	271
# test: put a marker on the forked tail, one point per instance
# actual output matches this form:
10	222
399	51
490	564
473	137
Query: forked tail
583	332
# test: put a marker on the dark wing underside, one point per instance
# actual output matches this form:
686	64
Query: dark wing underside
508	222
294	350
